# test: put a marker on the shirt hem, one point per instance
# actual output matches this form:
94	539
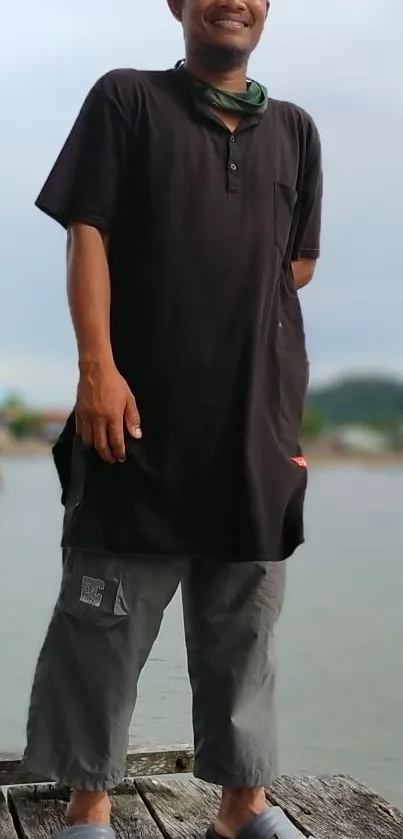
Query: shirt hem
188	557
310	253
73	218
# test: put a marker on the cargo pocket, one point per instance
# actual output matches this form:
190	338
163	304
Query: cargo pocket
285	199
92	591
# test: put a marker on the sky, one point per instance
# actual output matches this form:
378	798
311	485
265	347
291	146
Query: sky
342	61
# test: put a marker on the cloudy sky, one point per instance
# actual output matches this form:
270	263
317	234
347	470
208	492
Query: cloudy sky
341	60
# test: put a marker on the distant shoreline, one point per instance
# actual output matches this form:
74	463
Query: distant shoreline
316	455
24	448
381	461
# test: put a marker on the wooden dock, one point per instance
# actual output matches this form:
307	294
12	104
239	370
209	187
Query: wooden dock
148	806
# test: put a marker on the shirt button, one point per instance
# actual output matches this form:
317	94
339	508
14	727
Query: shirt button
234	167
232	139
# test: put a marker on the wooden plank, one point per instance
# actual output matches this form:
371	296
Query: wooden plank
131	818
172	760
7	830
182	809
154	761
327	808
38	812
336	808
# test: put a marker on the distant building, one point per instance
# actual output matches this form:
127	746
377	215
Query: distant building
360	440
4	438
54	422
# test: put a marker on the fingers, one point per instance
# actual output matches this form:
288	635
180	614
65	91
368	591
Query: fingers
107	433
116	440
108	440
102	443
87	433
132	418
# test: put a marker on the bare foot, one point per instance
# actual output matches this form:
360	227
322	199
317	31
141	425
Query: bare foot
238	807
89	808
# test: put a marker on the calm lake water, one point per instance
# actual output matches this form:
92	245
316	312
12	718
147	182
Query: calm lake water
340	639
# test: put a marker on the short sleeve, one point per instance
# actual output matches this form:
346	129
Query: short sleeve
85	182
306	243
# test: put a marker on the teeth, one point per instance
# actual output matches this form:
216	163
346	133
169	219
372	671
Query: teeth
231	24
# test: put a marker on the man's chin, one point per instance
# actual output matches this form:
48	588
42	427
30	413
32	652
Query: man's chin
223	54
227	38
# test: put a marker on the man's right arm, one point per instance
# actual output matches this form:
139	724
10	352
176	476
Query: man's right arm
89	292
83	193
105	404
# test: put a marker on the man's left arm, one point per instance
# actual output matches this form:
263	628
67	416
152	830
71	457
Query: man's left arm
306	247
303	271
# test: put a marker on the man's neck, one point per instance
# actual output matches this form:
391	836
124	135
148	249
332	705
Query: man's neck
232	80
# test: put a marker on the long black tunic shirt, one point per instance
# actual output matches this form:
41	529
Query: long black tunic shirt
205	322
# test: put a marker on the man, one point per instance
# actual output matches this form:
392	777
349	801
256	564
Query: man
192	205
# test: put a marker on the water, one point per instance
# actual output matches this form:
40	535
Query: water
340	640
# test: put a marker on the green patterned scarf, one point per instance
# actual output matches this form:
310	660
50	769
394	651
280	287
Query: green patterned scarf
253	100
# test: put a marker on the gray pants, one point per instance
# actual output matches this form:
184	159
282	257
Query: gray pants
106	620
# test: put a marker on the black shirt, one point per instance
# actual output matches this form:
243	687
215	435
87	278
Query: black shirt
206	325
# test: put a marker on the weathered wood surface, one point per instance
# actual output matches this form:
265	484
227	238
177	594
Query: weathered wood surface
38	813
336	808
182	809
6	825
179	808
163	761
328	808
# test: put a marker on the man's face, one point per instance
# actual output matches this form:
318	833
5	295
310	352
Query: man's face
231	27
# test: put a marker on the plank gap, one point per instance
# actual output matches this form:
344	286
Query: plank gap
7	827
182	809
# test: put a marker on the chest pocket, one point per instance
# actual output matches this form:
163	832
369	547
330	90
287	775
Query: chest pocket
285	200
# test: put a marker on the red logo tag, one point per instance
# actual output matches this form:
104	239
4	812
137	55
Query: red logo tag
300	461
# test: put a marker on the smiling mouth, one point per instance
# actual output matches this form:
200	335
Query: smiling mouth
230	24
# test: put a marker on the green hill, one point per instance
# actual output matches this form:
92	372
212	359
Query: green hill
371	400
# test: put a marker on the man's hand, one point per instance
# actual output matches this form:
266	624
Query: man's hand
303	271
105	405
